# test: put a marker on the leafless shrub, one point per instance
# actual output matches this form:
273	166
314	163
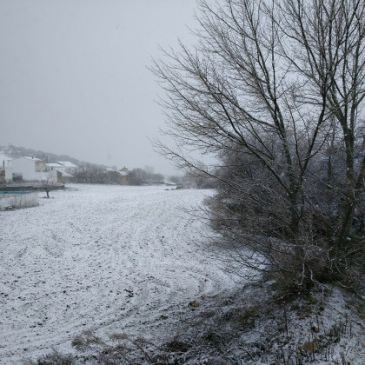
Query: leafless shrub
55	358
86	339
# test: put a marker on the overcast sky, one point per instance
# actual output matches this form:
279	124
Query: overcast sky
74	77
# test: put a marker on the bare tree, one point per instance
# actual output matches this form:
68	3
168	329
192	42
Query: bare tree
279	84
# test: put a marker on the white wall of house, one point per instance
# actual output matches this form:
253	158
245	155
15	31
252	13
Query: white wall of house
5	161
8	174
57	172
26	167
52	177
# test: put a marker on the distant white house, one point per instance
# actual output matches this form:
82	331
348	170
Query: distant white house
68	166
29	169
34	169
124	172
58	171
5	172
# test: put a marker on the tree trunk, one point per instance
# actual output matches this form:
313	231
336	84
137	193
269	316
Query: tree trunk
347	213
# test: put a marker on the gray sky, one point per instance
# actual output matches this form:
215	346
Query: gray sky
73	76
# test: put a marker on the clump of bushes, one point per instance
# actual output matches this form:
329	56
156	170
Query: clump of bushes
54	358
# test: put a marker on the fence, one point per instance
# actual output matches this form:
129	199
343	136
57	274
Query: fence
18	199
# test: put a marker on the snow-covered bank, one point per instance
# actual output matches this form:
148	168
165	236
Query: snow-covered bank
103	258
256	324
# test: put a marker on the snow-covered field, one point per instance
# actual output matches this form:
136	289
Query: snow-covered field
102	258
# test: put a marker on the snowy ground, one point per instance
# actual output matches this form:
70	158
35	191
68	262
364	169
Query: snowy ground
101	258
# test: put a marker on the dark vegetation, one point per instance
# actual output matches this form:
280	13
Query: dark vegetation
275	90
99	175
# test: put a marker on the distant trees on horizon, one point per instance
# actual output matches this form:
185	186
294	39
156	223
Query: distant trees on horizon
99	175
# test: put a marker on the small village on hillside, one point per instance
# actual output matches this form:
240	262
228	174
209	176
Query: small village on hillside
30	168
23	175
18	166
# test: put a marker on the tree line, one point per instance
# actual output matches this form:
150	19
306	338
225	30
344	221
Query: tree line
99	175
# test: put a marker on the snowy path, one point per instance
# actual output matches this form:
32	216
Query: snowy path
71	263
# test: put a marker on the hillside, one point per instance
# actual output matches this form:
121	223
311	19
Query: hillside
16	151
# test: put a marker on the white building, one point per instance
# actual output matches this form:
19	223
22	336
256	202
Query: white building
4	167
29	169
68	167
58	172
34	169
